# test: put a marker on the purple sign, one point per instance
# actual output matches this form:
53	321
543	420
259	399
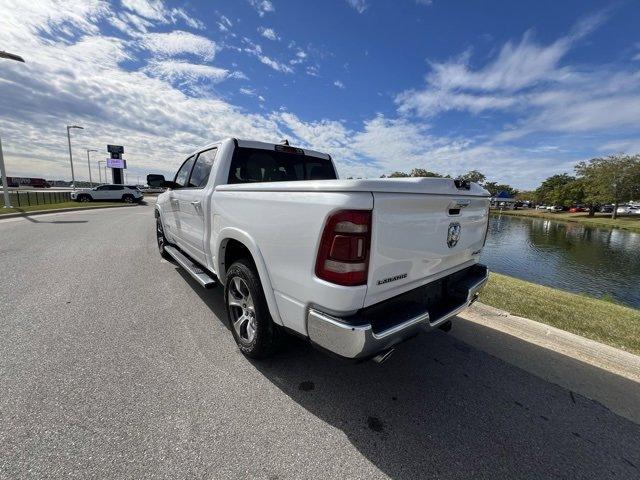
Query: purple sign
116	163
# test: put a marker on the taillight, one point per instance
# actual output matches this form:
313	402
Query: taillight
343	256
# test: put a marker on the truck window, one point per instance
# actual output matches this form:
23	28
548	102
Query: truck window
185	170
202	168
250	165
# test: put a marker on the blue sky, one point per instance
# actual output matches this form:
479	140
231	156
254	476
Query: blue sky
517	90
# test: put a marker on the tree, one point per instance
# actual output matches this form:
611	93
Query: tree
398	175
474	176
614	179
495	188
554	189
421	172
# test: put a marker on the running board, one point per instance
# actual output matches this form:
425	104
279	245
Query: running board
200	276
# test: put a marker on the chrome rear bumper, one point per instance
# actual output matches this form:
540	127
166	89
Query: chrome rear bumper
353	337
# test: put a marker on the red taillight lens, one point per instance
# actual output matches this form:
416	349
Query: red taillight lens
343	256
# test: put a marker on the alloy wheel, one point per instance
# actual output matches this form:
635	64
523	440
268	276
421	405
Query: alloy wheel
241	306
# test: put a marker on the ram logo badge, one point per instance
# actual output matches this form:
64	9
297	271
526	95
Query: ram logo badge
392	279
453	234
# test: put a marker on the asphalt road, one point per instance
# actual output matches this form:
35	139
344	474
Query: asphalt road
114	364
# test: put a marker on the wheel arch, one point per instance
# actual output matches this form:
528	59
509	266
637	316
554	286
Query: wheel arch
234	244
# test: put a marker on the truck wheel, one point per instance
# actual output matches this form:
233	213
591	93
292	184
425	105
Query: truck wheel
84	198
128	198
253	329
162	241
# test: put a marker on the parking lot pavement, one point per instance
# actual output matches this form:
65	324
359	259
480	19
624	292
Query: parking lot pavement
114	364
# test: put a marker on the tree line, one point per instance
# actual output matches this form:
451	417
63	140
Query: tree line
600	181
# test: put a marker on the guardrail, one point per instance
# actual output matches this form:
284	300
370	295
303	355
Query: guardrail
23	199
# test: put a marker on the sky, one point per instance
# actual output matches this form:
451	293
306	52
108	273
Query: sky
518	90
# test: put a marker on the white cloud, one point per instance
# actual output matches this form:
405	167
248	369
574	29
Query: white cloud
248	91
339	84
156	10
358	5
262	6
189	73
224	24
268	33
424	2
256	50
179	42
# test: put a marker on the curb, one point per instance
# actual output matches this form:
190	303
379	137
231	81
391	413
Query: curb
72	209
594	370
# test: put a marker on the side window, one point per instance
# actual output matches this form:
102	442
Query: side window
183	173
103	187
202	168
115	187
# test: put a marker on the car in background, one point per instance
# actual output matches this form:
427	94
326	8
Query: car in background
555	208
578	208
541	207
628	210
125	193
606	209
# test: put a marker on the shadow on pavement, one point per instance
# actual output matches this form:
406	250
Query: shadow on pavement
440	408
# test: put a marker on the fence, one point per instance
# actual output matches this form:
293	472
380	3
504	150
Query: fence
25	199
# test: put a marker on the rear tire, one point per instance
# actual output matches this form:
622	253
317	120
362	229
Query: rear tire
128	198
84	198
252	327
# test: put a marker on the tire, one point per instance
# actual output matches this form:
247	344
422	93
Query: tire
128	198
84	198
161	240
251	324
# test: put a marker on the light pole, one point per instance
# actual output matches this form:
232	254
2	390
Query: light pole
100	171
73	178
3	171
89	164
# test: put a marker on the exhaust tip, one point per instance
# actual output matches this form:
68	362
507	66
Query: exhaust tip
383	356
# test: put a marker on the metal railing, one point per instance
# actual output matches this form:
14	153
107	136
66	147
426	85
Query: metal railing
27	199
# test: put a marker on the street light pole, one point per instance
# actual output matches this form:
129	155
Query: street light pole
5	184
73	178
100	171
3	171
89	164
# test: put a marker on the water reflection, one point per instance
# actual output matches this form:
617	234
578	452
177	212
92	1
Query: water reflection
568	256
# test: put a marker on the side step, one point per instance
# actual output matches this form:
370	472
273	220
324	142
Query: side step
202	277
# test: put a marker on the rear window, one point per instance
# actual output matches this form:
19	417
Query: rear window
252	165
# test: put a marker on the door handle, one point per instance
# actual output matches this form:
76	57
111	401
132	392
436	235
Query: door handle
195	203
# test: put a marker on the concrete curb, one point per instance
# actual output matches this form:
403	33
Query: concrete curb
602	373
588	351
59	210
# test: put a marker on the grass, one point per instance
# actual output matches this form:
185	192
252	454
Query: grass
59	206
599	220
599	320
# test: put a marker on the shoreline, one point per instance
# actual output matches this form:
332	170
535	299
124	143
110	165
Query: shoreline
601	220
605	322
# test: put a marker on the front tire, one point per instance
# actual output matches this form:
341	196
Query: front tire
161	240
128	198
84	198
253	328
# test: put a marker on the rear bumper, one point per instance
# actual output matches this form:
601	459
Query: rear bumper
388	323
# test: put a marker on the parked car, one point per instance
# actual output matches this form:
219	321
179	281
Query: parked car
578	209
555	208
355	266
628	210
126	193
606	209
541	207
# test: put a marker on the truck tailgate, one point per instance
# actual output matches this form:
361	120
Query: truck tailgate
420	237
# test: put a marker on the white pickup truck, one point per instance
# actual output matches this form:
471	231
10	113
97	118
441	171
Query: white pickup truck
355	266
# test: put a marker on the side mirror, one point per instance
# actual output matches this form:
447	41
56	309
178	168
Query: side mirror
154	180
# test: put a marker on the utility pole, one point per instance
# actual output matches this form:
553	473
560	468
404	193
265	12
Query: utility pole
3	170
73	178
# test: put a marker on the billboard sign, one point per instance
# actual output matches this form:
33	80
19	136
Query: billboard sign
115	149
116	163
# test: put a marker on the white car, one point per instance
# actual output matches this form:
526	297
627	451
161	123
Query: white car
355	266
628	210
126	193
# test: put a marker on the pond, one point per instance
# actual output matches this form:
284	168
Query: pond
568	256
